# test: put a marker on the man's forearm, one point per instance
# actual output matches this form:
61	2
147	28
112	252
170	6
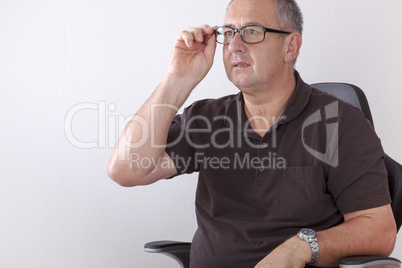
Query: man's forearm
373	232
367	232
145	135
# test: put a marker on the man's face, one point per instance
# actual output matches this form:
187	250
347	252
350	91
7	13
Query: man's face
253	67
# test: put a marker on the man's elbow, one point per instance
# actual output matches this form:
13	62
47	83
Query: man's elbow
386	233
125	177
389	240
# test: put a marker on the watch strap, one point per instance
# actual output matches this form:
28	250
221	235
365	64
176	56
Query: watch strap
310	237
315	251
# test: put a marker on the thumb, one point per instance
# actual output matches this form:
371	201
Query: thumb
210	47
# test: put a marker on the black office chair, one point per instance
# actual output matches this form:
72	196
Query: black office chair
180	251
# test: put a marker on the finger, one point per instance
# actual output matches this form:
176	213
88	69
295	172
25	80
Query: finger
187	37
197	34
206	29
211	45
208	32
211	33
200	34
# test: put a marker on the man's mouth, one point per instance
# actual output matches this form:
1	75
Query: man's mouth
240	64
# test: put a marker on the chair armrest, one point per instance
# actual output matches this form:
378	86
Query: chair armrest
179	251
369	261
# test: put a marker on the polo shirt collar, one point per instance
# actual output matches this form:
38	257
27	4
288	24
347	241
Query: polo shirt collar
236	114
298	101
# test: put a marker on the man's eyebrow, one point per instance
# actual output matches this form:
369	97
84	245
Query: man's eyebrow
246	24
228	25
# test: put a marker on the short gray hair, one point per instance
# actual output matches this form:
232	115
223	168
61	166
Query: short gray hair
288	15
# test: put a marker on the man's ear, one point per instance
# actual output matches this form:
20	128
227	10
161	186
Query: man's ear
293	45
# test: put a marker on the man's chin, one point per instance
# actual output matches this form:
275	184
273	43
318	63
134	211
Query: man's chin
243	85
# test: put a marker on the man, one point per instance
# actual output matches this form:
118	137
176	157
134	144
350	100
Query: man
258	183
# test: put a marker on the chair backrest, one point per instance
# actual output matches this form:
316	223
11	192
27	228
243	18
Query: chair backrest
355	96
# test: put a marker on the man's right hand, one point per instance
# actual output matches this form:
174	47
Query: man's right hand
193	55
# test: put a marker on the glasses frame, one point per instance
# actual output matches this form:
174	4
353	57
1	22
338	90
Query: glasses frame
240	31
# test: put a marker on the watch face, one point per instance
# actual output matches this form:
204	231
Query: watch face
308	232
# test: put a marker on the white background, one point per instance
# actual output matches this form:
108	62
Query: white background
57	206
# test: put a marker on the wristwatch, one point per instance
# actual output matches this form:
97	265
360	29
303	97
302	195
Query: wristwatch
310	237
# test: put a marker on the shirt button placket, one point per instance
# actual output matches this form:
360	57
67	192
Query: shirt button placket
262	147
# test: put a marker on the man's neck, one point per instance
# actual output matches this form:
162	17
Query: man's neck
265	108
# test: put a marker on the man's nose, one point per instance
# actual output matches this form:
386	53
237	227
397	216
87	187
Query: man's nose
237	44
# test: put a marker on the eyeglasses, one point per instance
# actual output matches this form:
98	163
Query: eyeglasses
251	34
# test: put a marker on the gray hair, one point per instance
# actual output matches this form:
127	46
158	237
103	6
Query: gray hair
288	15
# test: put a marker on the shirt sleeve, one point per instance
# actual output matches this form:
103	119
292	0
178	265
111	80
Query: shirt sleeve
178	145
359	181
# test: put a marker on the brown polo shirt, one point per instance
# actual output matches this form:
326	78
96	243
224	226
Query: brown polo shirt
320	160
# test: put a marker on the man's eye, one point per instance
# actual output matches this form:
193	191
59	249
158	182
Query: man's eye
253	32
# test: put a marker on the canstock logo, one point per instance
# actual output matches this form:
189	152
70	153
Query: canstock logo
331	155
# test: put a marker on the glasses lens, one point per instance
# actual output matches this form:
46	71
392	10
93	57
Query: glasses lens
253	34
250	34
224	35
